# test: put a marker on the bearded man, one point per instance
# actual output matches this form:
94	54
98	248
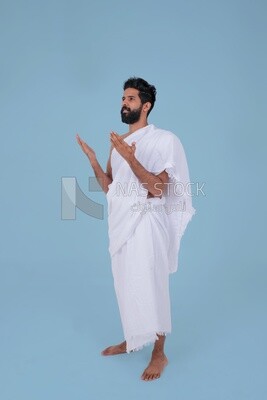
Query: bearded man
149	206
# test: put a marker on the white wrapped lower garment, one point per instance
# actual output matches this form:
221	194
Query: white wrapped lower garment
141	280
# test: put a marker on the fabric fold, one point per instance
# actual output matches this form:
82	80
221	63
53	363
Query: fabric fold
157	150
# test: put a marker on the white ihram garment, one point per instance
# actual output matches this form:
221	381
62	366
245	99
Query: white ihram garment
145	233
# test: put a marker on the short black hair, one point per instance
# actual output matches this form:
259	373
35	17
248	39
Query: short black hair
147	92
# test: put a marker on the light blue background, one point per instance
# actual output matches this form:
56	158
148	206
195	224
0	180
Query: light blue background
62	67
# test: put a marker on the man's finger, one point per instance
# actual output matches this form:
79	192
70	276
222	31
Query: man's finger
118	140
116	144
79	141
113	138
78	137
116	136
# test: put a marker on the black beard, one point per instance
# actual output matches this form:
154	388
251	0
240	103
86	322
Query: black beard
132	116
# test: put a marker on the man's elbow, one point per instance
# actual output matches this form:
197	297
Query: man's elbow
106	185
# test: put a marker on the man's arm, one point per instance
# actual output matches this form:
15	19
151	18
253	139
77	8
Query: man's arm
153	183
103	178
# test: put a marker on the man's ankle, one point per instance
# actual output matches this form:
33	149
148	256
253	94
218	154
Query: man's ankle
158	352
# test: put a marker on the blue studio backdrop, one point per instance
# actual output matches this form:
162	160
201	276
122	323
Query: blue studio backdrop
63	64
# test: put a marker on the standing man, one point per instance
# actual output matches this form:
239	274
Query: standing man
149	207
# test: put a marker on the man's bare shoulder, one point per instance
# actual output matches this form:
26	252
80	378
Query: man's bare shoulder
124	135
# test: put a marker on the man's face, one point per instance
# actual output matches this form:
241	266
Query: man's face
131	106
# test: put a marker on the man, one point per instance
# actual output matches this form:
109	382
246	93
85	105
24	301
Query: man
149	206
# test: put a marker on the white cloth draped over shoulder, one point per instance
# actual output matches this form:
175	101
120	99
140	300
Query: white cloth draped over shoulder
145	233
157	150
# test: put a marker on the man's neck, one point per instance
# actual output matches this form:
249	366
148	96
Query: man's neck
137	125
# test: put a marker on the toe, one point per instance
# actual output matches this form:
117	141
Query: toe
106	352
144	375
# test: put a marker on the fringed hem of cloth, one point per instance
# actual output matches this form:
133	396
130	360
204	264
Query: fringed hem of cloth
151	339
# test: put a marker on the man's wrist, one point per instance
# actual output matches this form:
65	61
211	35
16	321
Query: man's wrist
93	161
132	161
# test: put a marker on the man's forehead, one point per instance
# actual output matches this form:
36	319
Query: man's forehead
131	92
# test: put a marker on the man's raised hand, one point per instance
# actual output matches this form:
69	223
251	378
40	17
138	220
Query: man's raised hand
126	151
86	149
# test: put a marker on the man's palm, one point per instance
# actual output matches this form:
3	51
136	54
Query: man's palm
85	148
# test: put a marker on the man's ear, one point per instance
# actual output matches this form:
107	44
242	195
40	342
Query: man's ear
147	106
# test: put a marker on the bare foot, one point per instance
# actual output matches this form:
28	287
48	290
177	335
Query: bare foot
113	350
155	367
